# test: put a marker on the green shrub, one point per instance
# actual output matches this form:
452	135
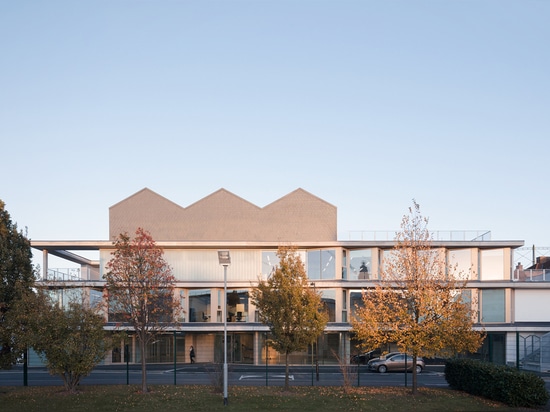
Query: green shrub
496	382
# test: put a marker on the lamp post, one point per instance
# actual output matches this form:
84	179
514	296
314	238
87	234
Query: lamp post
225	260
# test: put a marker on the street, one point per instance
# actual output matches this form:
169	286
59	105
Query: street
242	375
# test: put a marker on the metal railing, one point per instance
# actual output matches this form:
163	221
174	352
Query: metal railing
449	235
72	274
531	275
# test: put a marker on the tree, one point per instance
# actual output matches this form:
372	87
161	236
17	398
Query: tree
140	288
71	341
291	309
420	303
17	277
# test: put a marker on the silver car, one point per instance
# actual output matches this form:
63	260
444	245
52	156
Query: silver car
395	362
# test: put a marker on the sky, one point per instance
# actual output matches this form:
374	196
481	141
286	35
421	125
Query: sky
365	104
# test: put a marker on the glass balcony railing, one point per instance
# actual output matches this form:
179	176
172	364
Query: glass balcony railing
72	274
448	235
531	275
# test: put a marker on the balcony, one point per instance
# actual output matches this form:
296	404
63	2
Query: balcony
531	275
72	274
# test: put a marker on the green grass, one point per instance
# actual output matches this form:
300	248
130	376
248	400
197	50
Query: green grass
204	398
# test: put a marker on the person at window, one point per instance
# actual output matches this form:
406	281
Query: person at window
363	271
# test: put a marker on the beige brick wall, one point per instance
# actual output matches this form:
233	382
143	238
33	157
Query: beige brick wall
223	216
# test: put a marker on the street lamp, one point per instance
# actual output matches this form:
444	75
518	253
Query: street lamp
225	260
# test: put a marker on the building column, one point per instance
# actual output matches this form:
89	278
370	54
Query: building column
44	264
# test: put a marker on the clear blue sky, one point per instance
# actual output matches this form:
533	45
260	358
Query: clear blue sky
366	104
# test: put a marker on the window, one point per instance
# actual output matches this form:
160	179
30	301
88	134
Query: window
96	298
344	306
493	305
461	259
360	264
328	298
199	305
321	264
237	306
344	265
355	301
492	264
270	262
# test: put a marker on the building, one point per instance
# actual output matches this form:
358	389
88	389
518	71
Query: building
512	303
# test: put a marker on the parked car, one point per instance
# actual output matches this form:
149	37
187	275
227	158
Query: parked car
363	358
395	362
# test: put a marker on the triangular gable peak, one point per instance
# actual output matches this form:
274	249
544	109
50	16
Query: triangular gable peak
146	207
223	216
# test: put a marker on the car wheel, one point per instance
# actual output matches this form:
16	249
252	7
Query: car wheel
418	369
382	369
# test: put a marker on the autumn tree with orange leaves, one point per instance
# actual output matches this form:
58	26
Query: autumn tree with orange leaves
292	310
140	288
421	303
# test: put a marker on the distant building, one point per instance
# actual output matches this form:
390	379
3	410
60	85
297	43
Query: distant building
512	302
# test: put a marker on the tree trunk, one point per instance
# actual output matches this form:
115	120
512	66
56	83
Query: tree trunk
414	375
143	366
287	386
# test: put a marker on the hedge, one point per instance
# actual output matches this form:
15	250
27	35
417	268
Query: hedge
496	382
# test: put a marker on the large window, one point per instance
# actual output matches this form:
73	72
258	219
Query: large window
63	297
328	298
237	306
492	264
321	264
360	264
493	306
461	260
96	298
199	305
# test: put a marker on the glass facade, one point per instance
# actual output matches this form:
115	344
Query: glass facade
202	300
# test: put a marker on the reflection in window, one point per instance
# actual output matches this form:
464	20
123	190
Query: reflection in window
63	297
96	298
387	257
328	298
461	260
237	306
355	301
270	262
321	264
199	305
492	264
344	306
344	265
493	305
182	307
360	264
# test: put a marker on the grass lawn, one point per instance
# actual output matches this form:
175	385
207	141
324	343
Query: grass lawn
204	398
